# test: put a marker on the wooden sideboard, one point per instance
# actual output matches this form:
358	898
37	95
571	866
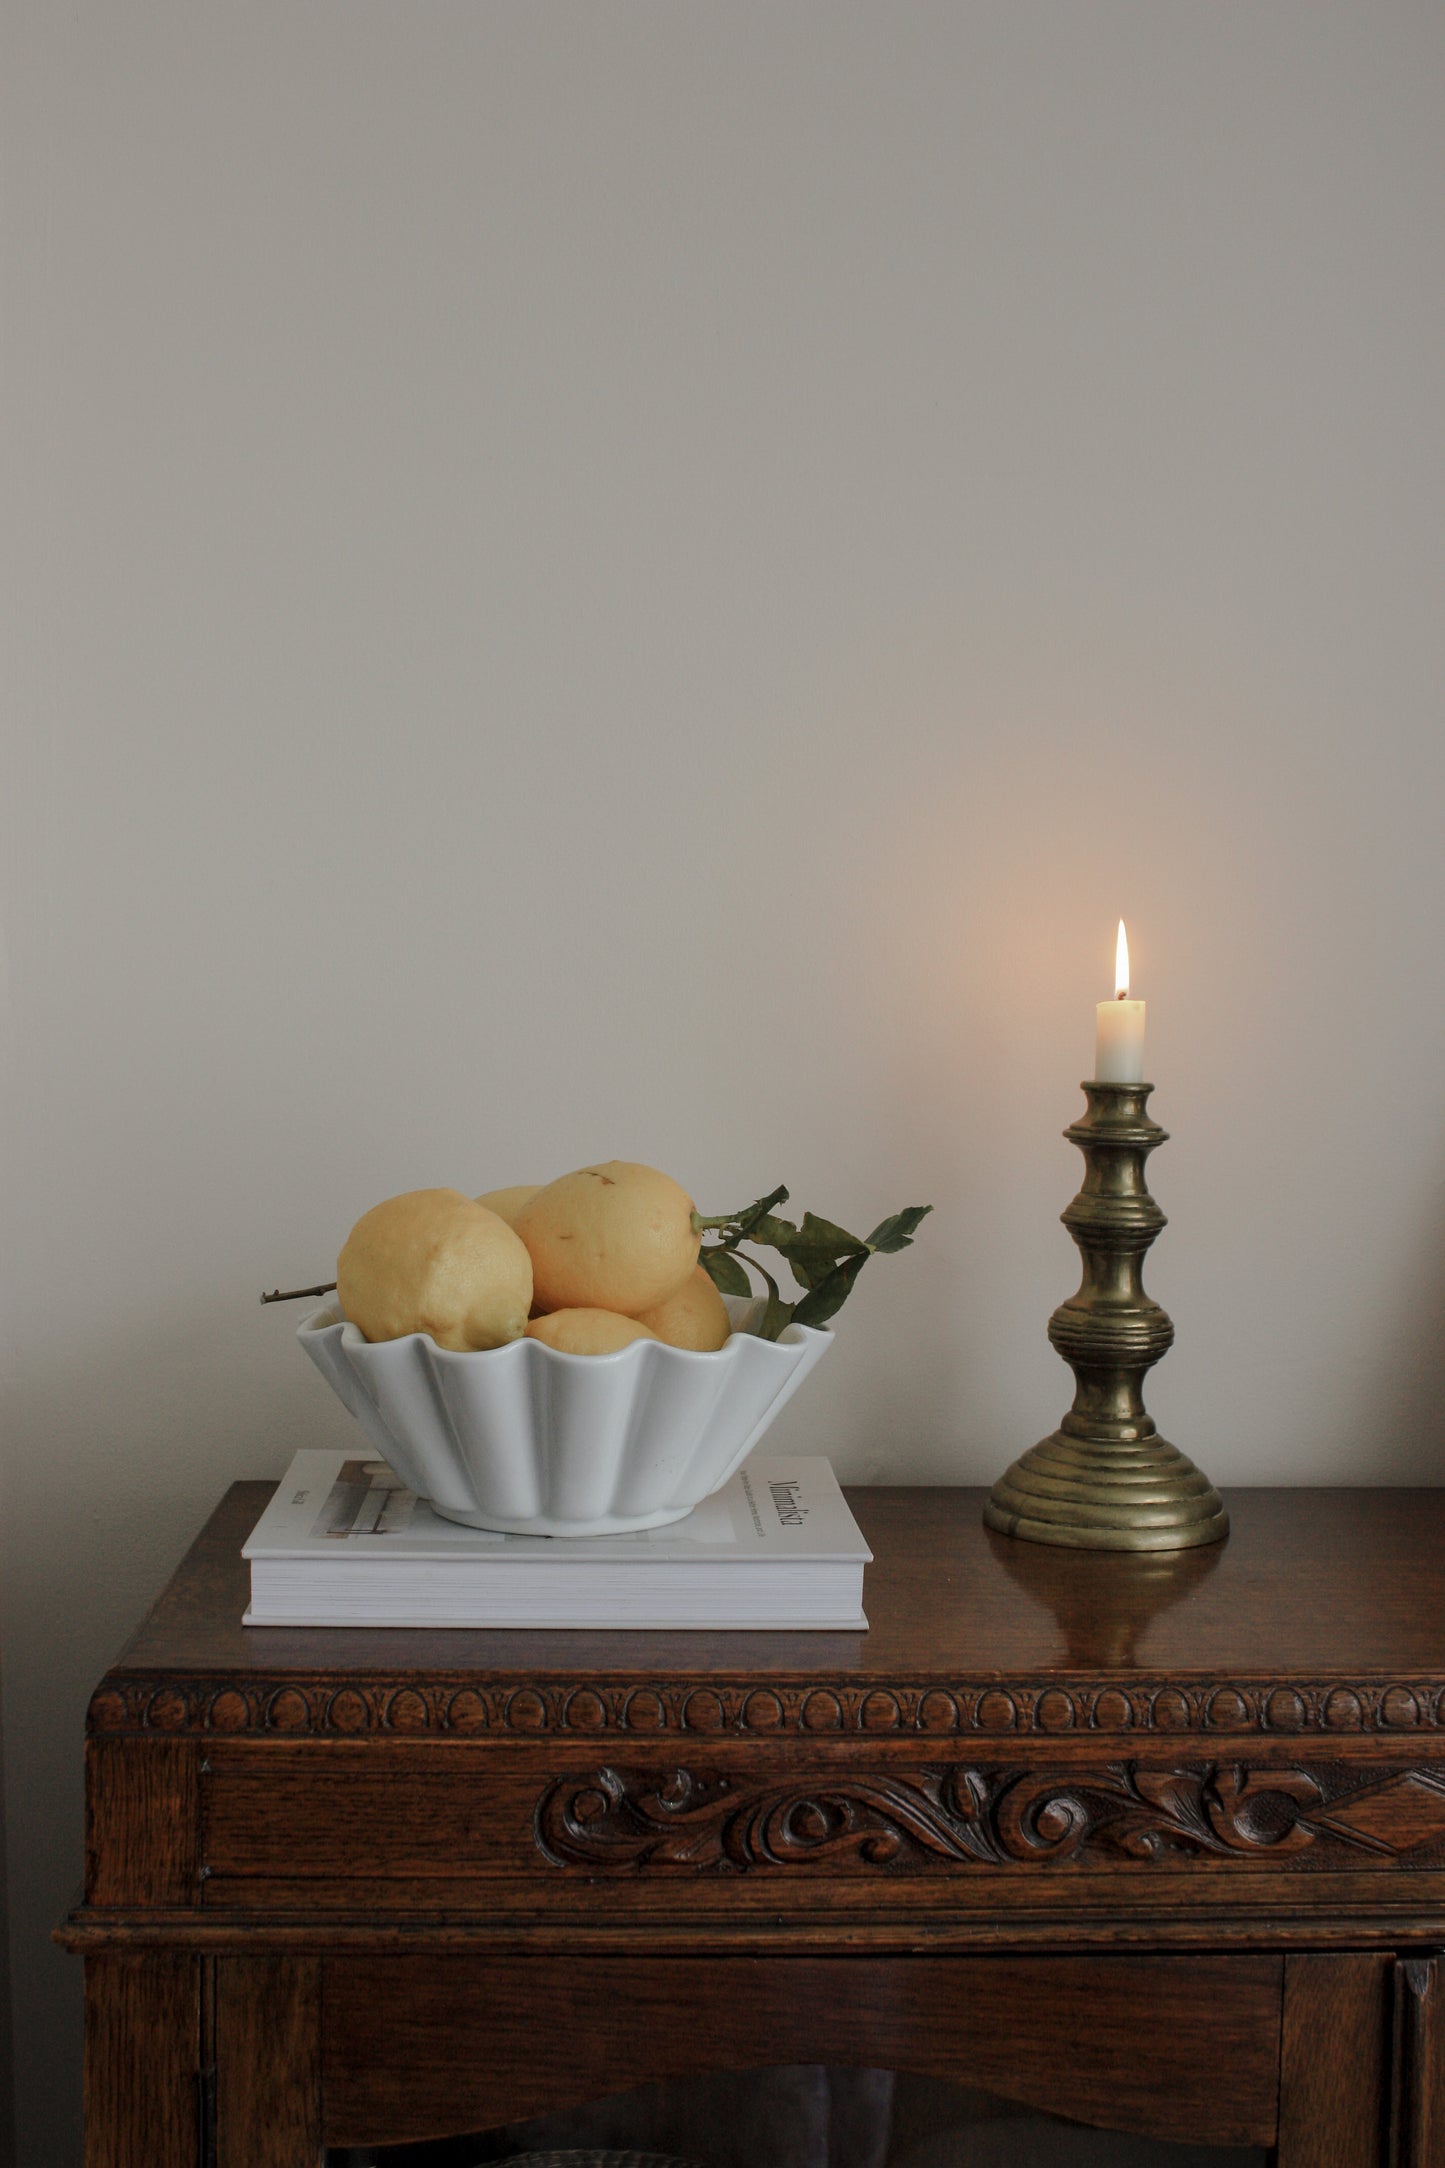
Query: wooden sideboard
1158	1844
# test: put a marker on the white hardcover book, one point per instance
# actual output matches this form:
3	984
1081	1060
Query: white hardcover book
343	1543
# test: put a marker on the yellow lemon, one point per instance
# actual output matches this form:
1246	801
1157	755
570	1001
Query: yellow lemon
587	1331
507	1203
437	1262
695	1317
615	1237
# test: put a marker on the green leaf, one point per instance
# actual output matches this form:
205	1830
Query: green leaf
897	1232
778	1234
829	1296
819	1246
777	1313
813	1249
726	1274
776	1317
820	1233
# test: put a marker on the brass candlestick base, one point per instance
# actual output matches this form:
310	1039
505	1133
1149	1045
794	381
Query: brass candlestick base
1106	1480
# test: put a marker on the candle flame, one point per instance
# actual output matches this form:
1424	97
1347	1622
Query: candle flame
1121	965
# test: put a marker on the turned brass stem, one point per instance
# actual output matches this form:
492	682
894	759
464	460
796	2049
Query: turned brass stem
1105	1480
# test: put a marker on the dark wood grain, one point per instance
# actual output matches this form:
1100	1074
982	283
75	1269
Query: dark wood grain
415	2047
142	2057
267	2035
1334	2061
1132	1840
142	1833
1321	1612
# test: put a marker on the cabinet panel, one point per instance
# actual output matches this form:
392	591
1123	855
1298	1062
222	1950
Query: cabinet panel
1185	2049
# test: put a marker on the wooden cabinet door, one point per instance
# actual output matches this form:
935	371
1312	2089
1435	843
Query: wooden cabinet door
1417	2092
1335	2060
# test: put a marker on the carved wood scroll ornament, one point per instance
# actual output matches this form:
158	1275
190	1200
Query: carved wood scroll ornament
632	1821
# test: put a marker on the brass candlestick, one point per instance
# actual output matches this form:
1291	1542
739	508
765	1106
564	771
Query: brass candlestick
1105	1480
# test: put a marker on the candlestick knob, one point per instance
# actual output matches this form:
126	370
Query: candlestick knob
1105	1480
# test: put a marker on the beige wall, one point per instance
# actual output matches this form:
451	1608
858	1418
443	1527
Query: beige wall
649	580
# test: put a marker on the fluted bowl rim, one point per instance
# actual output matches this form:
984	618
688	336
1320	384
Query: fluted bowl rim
533	1440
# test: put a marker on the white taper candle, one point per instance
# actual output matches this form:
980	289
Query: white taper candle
1119	1033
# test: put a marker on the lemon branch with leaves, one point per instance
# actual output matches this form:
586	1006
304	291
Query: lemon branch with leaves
823	1258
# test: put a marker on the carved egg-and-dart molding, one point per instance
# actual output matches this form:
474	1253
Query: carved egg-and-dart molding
956	1816
466	1707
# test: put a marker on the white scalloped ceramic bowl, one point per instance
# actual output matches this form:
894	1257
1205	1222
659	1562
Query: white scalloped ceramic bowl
535	1443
